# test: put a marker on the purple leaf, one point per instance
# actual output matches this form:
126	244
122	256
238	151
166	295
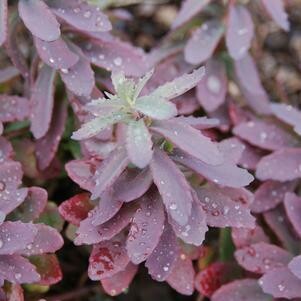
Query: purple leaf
203	42
182	275
107	207
47	146
188	10
13	108
82	171
90	234
211	90
6	148
56	54
292	205
146	228
3	21
107	259
139	143
119	282
109	170
265	135
243	237
47	240
288	114
173	187
17	269
200	123
79	78
16	236
282	165
195	229
245	289
33	205
249	80
226	207
262	257
269	195
81	15
10	178
295	266
281	283
161	262
278	222
277	12
113	54
42	99
132	184
240	31
38	18
190	140
226	174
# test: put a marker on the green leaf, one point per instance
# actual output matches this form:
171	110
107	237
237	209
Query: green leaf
226	246
51	217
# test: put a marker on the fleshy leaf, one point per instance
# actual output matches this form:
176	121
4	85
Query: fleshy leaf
107	259
109	170
269	195
161	262
195	229
213	277
96	125
173	187
47	240
38	18
190	140
33	205
132	184
249	80
243	237
15	236
288	114
292	204
119	282
211	90
139	143
13	108
56	54
76	209
240	31
17	269
226	174
42	99
295	266
265	135
262	257
91	234
146	228
188	10
246	289
81	15
203	42
277	12
281	283
226	207
156	107
282	165
179	85
181	277
3	21
47	146
48	267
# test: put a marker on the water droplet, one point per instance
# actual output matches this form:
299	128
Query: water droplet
281	287
87	14
213	84
51	60
173	206
118	61
64	71
2	186
18	276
